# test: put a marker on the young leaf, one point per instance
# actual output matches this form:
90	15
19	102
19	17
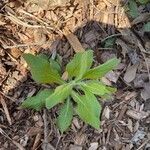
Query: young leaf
133	9
59	95
96	88
41	69
109	43
65	116
147	27
37	102
88	108
101	70
55	65
80	64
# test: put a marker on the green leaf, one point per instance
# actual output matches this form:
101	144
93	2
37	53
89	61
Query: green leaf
43	56
41	69
96	87
80	64
109	43
147	27
37	102
101	70
133	9
65	116
55	65
59	95
88	108
143	1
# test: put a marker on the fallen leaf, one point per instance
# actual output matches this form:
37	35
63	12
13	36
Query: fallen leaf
74	41
113	76
130	73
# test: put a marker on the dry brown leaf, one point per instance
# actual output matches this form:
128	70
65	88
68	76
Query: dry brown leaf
113	76
74	42
130	73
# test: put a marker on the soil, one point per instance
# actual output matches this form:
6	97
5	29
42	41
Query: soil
64	27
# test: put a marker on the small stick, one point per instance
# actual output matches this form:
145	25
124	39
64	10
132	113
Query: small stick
5	110
7	96
143	144
45	142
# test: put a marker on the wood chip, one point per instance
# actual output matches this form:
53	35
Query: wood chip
75	147
123	110
93	146
36	141
137	115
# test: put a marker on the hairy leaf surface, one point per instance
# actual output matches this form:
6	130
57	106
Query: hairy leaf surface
37	102
101	70
80	64
41	70
65	116
59	95
88	108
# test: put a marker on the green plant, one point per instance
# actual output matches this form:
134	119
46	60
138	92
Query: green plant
77	94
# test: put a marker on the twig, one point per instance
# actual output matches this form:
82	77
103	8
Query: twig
20	22
45	142
7	96
26	13
20	45
143	144
114	35
5	109
15	19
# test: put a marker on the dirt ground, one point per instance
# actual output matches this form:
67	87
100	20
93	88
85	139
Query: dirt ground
64	27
